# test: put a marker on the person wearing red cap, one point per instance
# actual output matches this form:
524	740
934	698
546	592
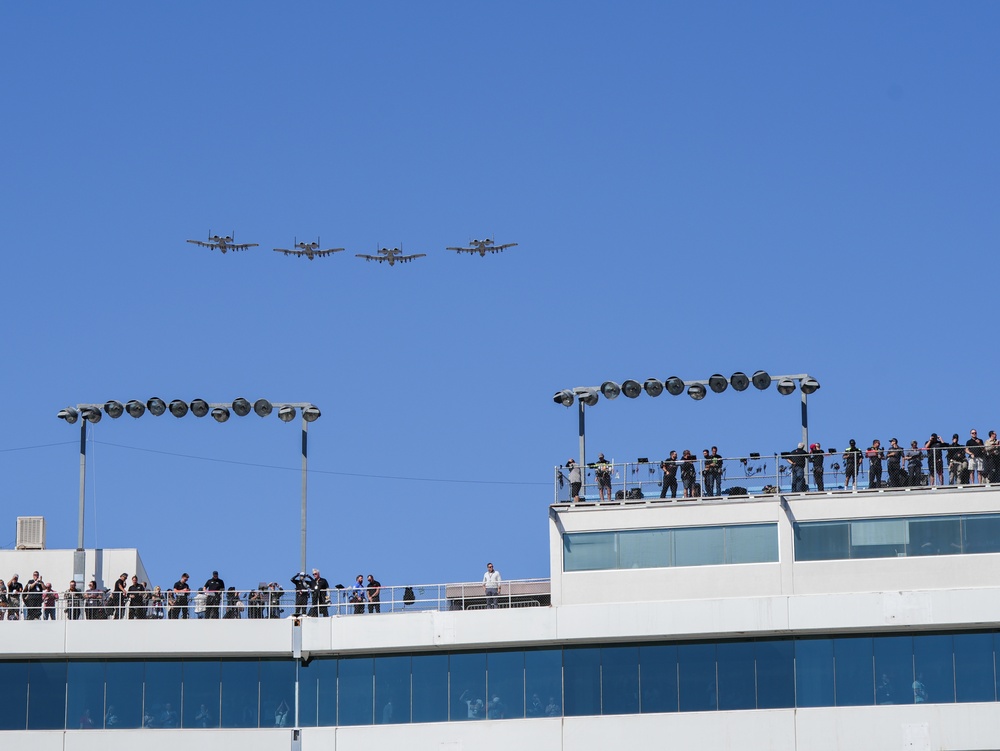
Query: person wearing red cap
816	460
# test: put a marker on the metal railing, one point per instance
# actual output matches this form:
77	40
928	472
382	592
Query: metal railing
761	474
266	603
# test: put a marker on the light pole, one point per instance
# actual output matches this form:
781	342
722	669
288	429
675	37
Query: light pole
696	390
178	408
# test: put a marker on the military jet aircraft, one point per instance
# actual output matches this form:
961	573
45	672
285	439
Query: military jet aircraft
392	255
222	243
309	250
482	247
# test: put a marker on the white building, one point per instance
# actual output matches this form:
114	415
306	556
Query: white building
844	620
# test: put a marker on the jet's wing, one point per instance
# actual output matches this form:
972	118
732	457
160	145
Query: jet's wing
463	250
288	251
502	247
371	258
203	244
407	259
242	246
327	252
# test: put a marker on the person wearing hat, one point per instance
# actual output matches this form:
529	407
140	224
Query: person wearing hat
214	588
816	460
875	456
603	474
852	464
956	461
575	480
935	459
797	459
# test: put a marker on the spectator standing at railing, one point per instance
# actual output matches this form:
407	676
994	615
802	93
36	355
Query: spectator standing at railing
120	590
156	603
49	599
320	596
303	586
713	473
491	586
33	598
603	475
935	459
358	595
991	460
274	593
956	460
575	480
182	591
14	589
93	599
669	467
375	594
914	463
974	449
3	599
234	605
875	456
74	598
688	473
136	600
816	458
200	603
894	464
852	464
797	459
214	588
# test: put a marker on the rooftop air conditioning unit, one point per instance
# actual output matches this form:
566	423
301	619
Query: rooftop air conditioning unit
31	533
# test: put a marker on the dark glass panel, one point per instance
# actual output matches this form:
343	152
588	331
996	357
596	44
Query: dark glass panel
277	693
467	696
543	682
775	673
658	678
123	703
14	695
699	546
620	680
318	693
893	670
737	679
814	673
355	693
854	670
974	675
982	534
590	551
823	541
163	688
430	688
202	679
392	690
934	669
240	692
47	695
697	677
935	537
84	694
505	685
582	681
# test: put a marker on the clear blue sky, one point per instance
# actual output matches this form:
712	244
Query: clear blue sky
694	187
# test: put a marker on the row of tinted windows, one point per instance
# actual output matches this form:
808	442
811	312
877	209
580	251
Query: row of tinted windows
891	538
663	548
619	679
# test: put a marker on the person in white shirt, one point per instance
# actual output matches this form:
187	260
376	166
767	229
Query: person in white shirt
491	585
200	603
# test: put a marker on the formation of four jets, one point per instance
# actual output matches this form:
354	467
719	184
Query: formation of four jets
313	250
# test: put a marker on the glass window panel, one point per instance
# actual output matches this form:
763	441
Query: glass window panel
974	680
879	538
277	693
430	688
822	541
240	692
317	693
752	543
392	690
697	677
543	682
854	670
84	694
468	686
47	695
935	537
737	679
14	695
700	546
644	548
775	673
590	551
582	681
893	670
620	680
355	691
658	678
125	684
202	679
934	669
814	673
505	685
982	533
163	687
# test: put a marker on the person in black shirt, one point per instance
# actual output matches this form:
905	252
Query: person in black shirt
33	598
875	456
136	600
320	596
816	460
894	464
14	589
852	464
669	467
214	588
120	589
974	450
74	599
181	593
914	461
303	585
374	595
956	461
713	473
688	473
797	459
935	459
